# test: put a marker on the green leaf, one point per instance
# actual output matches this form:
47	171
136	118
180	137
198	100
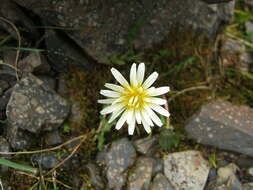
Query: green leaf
169	139
14	165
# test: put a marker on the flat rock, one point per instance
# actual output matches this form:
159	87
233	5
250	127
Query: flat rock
146	145
35	107
186	170
105	29
140	176
160	182
223	125
119	158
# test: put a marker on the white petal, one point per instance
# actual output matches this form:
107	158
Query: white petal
115	114
145	116
160	110
119	77
130	116
131	127
140	73
109	93
118	100
153	116
122	120
146	126
159	91
150	80
133	79
138	116
158	101
111	108
107	101
114	87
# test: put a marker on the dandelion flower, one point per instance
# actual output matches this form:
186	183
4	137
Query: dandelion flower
134	102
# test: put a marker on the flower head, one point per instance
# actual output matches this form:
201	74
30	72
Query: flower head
134	102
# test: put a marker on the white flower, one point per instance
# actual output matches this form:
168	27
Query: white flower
135	101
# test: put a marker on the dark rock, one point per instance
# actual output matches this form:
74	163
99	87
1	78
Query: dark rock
186	170
158	166
76	114
34	107
53	138
4	146
160	182
34	63
47	161
96	179
4	99
49	81
107	29
62	52
212	174
18	138
216	1
248	5
3	86
72	164
140	176
223	125
62	87
101	157
244	162
146	145
119	158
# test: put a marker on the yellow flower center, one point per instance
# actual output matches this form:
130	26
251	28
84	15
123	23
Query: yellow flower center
134	97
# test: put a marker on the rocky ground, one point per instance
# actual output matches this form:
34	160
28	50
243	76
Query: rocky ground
55	56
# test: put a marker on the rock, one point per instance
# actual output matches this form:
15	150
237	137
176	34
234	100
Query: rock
96	179
3	86
246	61
143	23
119	158
249	27
53	138
248	5
223	125
62	87
62	52
76	115
49	81
4	99
18	138
4	146
34	62
186	170
72	163
47	161
216	1
146	145
160	182
244	162
250	171
140	176
158	166
35	107
248	186
212	174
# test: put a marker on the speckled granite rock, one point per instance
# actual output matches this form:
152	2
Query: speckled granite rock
186	170
119	158
223	125
95	177
140	176
35	107
146	145
106	29
160	182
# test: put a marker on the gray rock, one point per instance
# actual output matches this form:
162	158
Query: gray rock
158	166
62	52
227	179
247	186
53	138
120	157
146	145
223	125
248	5
4	146
160	182
47	161
186	170
49	81
76	114
140	176
107	29
18	138
4	99
96	179
250	171
35	107
34	62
